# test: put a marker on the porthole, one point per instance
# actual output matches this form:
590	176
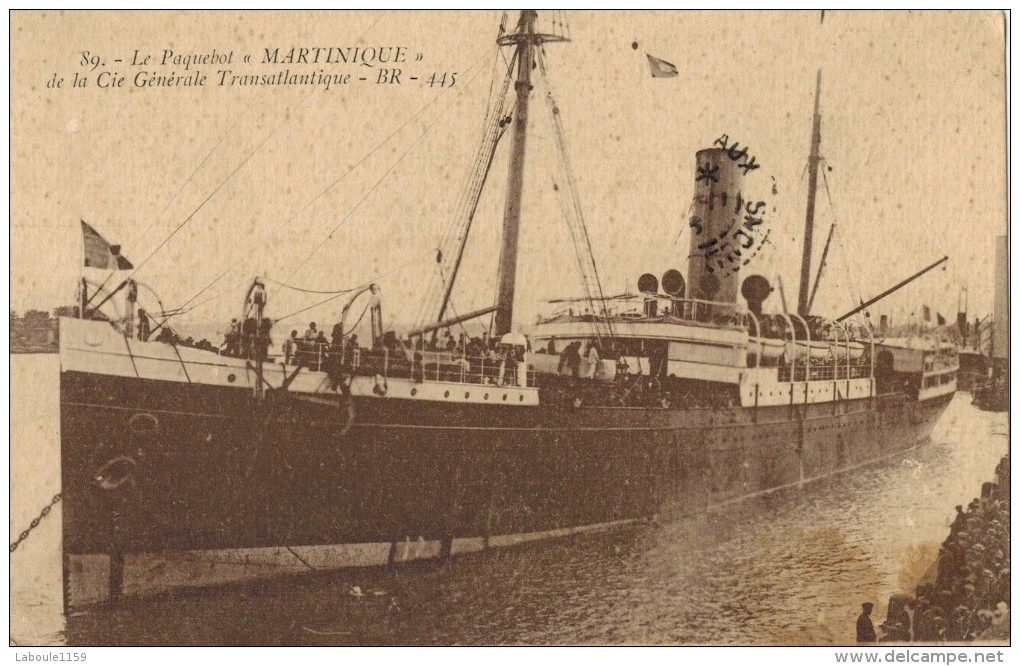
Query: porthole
414	392
520	398
467	394
231	378
504	397
485	397
446	394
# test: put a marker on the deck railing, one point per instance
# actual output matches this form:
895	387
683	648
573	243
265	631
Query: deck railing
823	373
659	307
422	366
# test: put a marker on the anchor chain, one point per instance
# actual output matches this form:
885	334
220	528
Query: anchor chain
35	521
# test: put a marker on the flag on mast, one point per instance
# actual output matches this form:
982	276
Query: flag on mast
660	68
101	254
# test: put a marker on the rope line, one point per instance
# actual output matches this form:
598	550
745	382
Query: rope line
337	295
211	195
188	179
303	290
212	150
319	195
393	166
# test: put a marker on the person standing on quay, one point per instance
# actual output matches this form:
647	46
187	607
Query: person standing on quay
865	629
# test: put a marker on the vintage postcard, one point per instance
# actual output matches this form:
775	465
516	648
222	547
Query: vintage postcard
508	328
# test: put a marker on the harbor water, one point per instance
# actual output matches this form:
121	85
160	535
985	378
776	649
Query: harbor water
791	568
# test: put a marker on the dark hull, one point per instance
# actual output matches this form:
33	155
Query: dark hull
206	467
992	397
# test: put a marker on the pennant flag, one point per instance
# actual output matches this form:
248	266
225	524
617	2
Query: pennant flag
661	69
940	319
99	253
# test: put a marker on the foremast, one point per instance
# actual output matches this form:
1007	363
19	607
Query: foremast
526	39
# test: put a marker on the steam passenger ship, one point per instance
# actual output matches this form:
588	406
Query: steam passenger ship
694	397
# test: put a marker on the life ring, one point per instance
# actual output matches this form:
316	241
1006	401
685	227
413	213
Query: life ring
115	473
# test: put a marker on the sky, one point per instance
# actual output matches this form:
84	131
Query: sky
207	187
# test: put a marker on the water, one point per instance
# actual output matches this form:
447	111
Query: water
791	568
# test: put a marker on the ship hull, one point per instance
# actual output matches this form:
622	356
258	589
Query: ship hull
153	465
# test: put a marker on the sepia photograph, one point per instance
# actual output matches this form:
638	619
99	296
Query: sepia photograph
510	328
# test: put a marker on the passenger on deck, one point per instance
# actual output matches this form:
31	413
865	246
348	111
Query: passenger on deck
232	340
311	332
572	353
595	361
264	341
551	348
290	348
563	367
249	330
321	345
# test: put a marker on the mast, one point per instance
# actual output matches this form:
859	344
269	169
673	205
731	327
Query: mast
803	306
526	39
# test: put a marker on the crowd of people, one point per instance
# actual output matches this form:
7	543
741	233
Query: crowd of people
313	350
249	339
970	597
483	360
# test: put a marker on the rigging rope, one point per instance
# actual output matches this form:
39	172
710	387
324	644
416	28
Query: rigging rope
176	194
493	130
213	193
220	141
306	291
187	180
379	181
320	194
853	287
338	294
574	215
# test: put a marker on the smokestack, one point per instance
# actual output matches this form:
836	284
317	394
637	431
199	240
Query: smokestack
718	199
